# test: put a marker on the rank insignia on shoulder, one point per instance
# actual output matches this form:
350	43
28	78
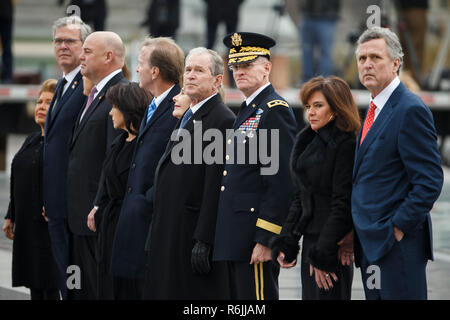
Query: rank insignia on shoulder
275	103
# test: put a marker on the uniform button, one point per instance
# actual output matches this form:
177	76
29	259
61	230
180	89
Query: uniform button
227	157
252	210
133	165
222	188
224	173
229	141
129	189
141	142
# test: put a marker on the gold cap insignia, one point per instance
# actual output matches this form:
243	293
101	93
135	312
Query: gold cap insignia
236	40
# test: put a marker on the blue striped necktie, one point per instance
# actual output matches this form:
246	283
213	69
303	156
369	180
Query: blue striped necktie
151	110
185	119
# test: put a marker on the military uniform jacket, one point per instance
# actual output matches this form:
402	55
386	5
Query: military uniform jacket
252	205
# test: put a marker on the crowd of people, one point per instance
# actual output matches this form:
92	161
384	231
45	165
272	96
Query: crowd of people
100	187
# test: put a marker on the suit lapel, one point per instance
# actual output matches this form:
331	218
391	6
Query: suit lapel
189	126
160	110
377	127
98	99
48	118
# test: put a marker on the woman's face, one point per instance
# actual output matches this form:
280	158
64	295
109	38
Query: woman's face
318	111
182	102
42	104
87	86
117	118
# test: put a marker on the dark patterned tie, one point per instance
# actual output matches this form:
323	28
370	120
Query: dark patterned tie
59	94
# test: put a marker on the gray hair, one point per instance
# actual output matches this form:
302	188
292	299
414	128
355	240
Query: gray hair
85	29
394	47
217	65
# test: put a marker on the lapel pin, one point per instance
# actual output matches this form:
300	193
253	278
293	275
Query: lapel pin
253	105
74	84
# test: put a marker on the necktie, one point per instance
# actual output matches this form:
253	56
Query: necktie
185	119
59	94
151	110
368	122
89	102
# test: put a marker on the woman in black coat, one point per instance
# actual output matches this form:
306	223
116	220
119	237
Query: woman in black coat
321	167
129	103
32	260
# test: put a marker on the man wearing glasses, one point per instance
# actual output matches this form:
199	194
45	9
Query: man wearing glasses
68	36
253	202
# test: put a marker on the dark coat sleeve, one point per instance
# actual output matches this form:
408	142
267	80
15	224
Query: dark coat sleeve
10	214
324	254
11	209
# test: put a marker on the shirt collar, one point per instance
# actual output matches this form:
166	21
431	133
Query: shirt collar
381	99
105	80
162	96
71	75
254	94
195	108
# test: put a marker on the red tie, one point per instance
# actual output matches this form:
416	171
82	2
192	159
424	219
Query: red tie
369	120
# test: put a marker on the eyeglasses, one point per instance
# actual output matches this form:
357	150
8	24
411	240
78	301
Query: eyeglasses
68	42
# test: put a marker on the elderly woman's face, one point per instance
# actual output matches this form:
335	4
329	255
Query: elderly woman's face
42	104
182	103
117	118
318	111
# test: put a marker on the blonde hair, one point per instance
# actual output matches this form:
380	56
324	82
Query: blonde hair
48	86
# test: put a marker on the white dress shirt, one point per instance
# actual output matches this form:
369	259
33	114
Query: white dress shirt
381	99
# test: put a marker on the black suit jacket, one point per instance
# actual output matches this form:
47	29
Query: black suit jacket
90	140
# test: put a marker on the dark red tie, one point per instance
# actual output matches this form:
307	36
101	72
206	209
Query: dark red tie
368	122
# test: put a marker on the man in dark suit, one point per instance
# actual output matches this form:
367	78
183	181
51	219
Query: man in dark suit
397	176
184	215
160	68
102	59
256	191
62	113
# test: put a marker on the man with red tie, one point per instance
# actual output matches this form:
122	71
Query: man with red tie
397	176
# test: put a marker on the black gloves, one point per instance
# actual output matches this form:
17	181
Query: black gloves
200	261
287	244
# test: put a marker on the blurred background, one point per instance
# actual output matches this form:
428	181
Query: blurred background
313	37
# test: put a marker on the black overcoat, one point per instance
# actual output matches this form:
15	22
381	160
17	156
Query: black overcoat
33	265
185	209
321	168
110	196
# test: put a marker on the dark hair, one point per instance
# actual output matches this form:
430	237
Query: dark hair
338	95
132	101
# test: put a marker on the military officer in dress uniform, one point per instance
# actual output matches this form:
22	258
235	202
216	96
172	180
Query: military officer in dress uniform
255	193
